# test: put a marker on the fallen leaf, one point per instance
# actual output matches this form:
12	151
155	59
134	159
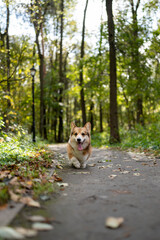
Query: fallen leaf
30	202
92	164
136	174
57	178
102	167
116	170
36	218
113	222
118	165
26	232
112	176
10	233
42	226
110	165
62	184
14	196
125	172
101	161
3	206
36	180
14	181
59	166
144	164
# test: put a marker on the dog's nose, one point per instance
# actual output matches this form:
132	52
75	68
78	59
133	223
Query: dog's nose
79	140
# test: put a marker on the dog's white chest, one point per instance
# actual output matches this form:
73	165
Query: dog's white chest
80	156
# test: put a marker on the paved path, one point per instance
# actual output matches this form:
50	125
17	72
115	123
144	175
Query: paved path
120	184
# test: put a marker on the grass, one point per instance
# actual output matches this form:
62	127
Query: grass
141	138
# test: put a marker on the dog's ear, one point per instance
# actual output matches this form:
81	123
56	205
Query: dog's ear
88	126
73	125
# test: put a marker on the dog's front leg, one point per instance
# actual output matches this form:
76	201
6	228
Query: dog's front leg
75	162
84	164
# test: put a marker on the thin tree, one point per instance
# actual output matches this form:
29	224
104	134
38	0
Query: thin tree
114	130
83	105
60	129
136	61
38	18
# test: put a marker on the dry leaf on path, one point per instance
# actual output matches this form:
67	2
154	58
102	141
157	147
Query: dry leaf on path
62	184
42	226
116	170
136	174
125	172
112	176
102	167
2	207
59	166
57	178
30	202
26	232
36	218
10	233
114	222
92	164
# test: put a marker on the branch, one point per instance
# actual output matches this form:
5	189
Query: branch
137	6
13	80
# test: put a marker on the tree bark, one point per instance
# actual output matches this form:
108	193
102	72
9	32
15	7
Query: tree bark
83	104
136	62
101	116
8	52
114	129
60	129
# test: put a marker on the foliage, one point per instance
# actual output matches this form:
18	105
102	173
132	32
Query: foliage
138	72
143	139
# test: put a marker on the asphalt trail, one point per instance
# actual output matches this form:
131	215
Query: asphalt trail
116	183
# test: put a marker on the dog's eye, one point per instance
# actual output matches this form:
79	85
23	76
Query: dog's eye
75	134
83	134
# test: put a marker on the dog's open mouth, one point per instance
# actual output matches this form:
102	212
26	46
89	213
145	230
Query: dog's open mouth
80	146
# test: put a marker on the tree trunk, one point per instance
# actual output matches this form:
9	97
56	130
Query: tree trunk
8	53
114	130
60	129
83	105
91	115
101	117
136	62
140	118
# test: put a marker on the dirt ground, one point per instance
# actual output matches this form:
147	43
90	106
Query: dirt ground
116	183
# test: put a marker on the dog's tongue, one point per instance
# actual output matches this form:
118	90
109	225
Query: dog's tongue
80	148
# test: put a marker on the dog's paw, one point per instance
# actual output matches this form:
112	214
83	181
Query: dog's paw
76	163
83	165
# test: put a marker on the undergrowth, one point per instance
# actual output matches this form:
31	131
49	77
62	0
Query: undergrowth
26	162
141	138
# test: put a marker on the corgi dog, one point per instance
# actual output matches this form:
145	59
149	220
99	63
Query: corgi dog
79	145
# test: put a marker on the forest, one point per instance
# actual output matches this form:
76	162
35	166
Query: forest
110	78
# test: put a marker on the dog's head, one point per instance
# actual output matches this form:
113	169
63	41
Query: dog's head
80	136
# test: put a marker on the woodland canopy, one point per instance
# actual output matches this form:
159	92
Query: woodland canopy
110	77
